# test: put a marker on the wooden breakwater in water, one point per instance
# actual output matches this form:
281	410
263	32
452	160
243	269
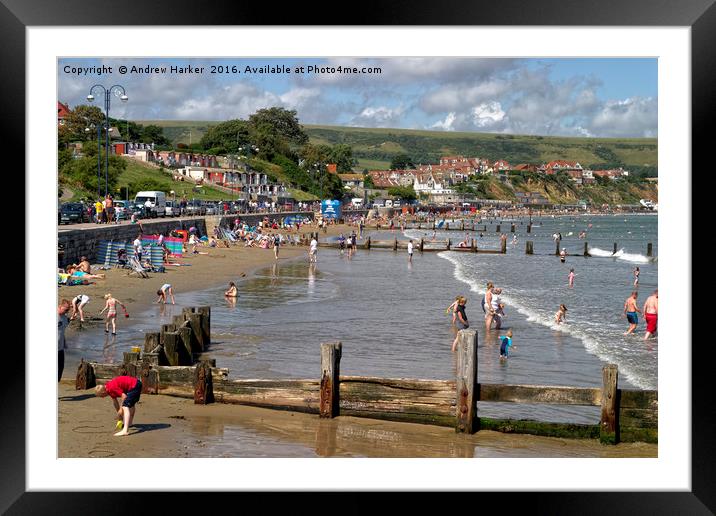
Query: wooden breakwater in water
626	415
421	245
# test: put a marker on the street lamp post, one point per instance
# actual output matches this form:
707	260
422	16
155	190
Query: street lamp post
119	91
99	155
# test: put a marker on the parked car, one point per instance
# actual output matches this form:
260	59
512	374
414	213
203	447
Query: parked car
211	208
73	213
172	209
195	207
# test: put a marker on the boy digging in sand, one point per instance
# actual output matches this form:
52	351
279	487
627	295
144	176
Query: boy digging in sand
129	389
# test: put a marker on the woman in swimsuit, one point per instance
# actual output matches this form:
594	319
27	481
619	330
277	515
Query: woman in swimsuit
111	307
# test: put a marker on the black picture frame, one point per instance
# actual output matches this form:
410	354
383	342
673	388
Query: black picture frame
699	15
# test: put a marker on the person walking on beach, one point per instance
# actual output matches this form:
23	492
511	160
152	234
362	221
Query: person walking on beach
561	315
78	302
410	251
111	307
138	249
163	292
630	312
128	389
313	251
461	321
489	312
498	308
571	278
651	314
505	345
62	323
276	245
636	276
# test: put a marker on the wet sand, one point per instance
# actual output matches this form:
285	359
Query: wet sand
174	427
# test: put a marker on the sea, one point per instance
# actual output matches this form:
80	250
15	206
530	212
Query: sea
390	315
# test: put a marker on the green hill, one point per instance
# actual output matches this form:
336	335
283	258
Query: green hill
375	148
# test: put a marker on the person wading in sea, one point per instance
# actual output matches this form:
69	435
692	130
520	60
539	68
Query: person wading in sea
630	312
651	312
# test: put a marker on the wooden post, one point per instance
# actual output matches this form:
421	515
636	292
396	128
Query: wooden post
529	228
395	244
497	228
512	228
556	251
130	357
473	247
422	243
85	378
615	248
203	385
151	359
447	226
503	245
448	244
649	250
433	224
609	423
529	247
330	379
473	225
150	379
466	381
171	348
463	225
151	342
586	249
367	243
186	353
205	311
197	336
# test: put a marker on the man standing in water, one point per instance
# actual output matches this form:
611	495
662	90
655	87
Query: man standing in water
630	311
651	311
410	252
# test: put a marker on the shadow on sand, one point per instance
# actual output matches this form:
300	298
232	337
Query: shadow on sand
148	427
80	397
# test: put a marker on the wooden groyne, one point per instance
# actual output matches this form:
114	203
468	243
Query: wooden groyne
626	415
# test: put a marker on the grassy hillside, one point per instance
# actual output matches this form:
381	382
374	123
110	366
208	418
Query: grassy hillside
382	145
374	148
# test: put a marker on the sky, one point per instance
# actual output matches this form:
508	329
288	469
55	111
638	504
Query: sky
593	97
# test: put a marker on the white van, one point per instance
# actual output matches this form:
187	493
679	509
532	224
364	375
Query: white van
154	200
357	202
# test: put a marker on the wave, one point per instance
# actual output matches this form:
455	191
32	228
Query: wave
591	344
620	255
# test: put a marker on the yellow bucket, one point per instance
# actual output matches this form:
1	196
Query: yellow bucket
136	349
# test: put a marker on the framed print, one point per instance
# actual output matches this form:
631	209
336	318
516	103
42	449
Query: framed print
347	180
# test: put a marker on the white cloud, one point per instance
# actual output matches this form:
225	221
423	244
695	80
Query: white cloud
636	116
447	124
381	116
487	114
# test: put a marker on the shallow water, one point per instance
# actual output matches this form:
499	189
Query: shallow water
390	315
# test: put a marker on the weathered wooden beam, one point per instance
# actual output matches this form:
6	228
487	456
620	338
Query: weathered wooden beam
150	379
529	247
330	386
186	354
649	250
130	357
541	394
608	424
466	381
629	398
586	249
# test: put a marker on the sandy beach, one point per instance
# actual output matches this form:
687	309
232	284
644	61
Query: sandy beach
174	427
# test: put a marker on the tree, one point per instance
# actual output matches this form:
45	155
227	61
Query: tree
153	134
406	193
79	119
229	135
401	162
83	172
280	121
342	156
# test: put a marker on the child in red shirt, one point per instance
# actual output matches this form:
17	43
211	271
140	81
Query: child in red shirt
129	389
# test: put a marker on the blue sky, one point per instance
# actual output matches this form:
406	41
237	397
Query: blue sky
562	97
